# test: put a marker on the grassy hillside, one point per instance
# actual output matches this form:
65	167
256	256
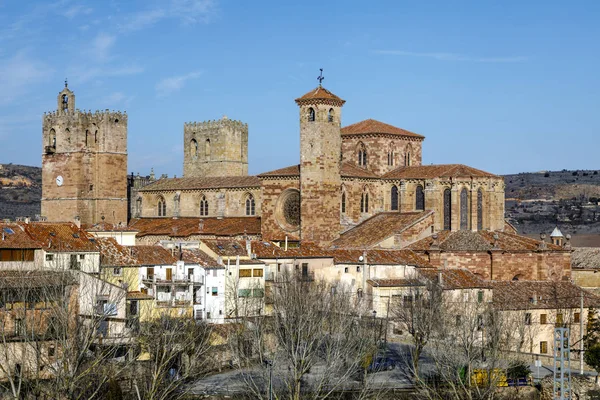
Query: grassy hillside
20	191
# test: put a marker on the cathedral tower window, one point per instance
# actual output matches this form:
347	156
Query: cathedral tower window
364	201
330	115
480	210
138	207
203	206
447	209
250	205
407	159
96	137
394	198
464	209
194	148
162	207
311	114
207	150
391	155
65	102
362	155
419	198
88	138
343	205
52	138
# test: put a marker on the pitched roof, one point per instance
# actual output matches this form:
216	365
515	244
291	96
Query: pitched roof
556	233
454	278
351	170
152	255
196	256
106	227
320	95
305	249
585	258
227	248
393	282
523	295
61	237
371	126
437	171
202	183
380	257
112	254
292	170
14	236
480	241
184	227
379	227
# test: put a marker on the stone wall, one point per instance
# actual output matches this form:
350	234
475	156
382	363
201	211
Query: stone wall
272	226
378	146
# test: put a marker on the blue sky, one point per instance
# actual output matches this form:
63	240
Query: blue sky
504	86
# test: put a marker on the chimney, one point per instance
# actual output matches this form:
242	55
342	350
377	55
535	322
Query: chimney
76	221
27	219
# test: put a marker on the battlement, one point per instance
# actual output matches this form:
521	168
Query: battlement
215	124
98	115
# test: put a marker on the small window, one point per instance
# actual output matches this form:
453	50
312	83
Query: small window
544	347
278	267
250	205
346	270
358	268
244	292
343	202
203	206
82	256
51	350
480	322
258	293
49	257
245	273
215	291
330	115
528	319
480	296
117	271
576	317
559	318
257	273
543	319
311	114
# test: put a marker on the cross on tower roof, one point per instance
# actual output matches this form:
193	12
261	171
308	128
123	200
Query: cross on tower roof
66	83
320	77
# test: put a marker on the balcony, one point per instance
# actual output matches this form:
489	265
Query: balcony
185	280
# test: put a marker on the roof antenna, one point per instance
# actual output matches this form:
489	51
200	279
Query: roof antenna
320	77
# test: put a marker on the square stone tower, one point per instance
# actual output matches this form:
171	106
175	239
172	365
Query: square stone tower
84	164
215	148
320	157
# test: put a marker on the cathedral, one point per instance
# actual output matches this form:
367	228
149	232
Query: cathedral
347	176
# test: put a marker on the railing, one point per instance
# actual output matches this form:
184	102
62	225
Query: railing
177	279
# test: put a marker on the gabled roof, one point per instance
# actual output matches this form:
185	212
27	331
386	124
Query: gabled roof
371	126
320	95
152	255
437	171
106	227
228	182
556	233
305	249
112	254
59	237
525	295
379	257
14	236
351	170
227	248
480	241
292	170
184	227
379	227
454	278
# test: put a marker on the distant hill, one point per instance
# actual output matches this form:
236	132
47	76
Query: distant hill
20	191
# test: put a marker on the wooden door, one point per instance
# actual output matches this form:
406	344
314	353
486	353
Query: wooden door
169	274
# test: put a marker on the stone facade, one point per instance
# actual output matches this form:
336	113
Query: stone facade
84	164
215	148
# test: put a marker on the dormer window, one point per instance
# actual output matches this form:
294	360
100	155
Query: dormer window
311	114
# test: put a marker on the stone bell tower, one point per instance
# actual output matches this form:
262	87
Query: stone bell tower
84	164
320	153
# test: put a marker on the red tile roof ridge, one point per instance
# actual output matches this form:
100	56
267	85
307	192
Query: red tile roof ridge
292	170
437	171
320	95
372	126
243	181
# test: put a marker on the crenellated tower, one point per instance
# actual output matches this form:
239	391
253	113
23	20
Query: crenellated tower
84	164
320	154
215	148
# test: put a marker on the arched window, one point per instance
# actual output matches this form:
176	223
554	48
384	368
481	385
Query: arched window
447	210
394	198
364	201
311	114
343	205
464	209
96	137
162	207
480	210
362	155
138	207
52	138
203	206
250	205
407	159
207	150
330	115
391	154
194	148
65	102
419	198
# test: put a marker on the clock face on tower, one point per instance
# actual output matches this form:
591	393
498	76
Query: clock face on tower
59	180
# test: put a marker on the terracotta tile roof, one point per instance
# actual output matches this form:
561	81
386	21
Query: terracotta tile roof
112	254
373	126
251	262
292	170
437	171
14	236
378	228
393	282
585	258
523	295
203	183
268	250
137	295
152	255
106	227
35	278
227	248
454	278
381	257
320	95
183	227
351	170
61	237
196	256
480	241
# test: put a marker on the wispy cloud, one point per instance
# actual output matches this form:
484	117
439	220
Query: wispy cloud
187	11
19	73
440	56
102	46
117	98
75	10
175	83
83	73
